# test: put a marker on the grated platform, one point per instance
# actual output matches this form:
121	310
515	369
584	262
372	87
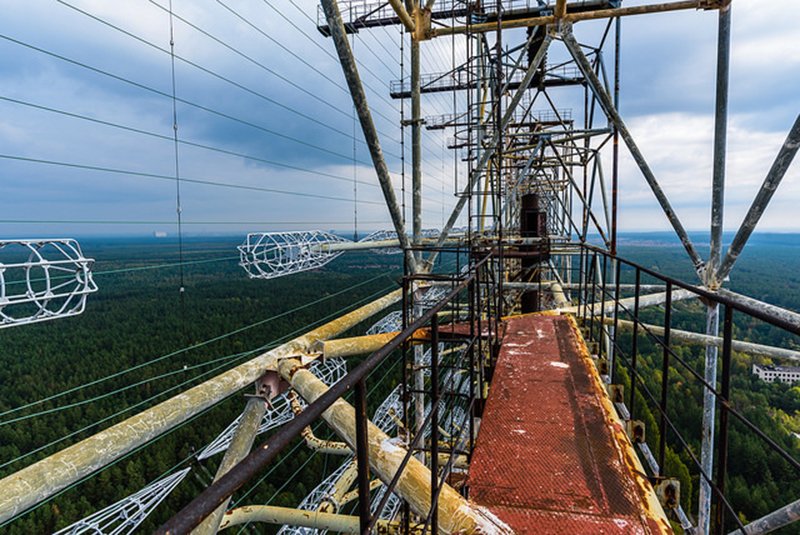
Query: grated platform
550	457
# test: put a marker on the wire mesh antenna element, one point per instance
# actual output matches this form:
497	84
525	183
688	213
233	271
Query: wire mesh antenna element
391	322
125	515
42	279
382	235
267	255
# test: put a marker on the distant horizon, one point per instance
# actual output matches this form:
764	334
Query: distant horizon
169	237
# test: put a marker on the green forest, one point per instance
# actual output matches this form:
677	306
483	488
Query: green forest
151	342
759	480
142	340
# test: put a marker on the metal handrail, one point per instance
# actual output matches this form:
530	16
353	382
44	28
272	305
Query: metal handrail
214	495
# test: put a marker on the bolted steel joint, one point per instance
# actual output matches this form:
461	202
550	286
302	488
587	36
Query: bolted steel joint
616	393
668	491
635	430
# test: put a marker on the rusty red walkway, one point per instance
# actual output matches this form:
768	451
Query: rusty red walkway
550	457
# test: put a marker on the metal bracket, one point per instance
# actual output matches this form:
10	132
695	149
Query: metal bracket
615	392
668	491
635	430
270	385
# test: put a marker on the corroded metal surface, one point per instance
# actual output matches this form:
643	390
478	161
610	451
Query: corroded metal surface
32	484
551	457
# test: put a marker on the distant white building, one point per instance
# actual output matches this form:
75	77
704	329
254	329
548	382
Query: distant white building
784	374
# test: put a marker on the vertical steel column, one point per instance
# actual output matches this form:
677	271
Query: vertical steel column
662	443
722	444
720	145
711	275
707	432
240	446
603	330
362	456
416	147
435	423
472	364
348	62
615	153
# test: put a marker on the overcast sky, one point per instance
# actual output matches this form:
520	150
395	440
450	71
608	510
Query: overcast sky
262	105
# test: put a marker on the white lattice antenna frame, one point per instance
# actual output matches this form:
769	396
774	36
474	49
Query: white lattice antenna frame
382	235
125	515
267	255
280	411
383	418
391	322
314	499
42	279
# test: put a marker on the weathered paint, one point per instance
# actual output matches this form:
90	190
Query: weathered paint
29	486
272	514
551	455
456	514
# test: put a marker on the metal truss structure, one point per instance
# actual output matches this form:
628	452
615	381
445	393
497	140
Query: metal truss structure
536	194
124	516
391	322
267	255
42	279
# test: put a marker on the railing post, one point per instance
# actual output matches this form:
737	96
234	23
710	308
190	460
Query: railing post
662	446
612	361
362	455
434	423
472	363
604	276
635	343
722	444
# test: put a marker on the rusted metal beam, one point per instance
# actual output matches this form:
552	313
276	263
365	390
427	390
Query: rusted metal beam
280	516
560	10
693	338
361	345
240	446
776	173
788	514
577	17
350	69
314	443
613	115
27	487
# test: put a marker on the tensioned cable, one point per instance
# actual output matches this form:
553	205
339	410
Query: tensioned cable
167	95
180	140
259	64
190	347
178	206
207	70
360	64
168	390
184	179
143	222
252	60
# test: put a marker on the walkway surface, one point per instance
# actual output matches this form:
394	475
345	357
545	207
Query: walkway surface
550	456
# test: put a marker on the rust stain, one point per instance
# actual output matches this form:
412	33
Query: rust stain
551	455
